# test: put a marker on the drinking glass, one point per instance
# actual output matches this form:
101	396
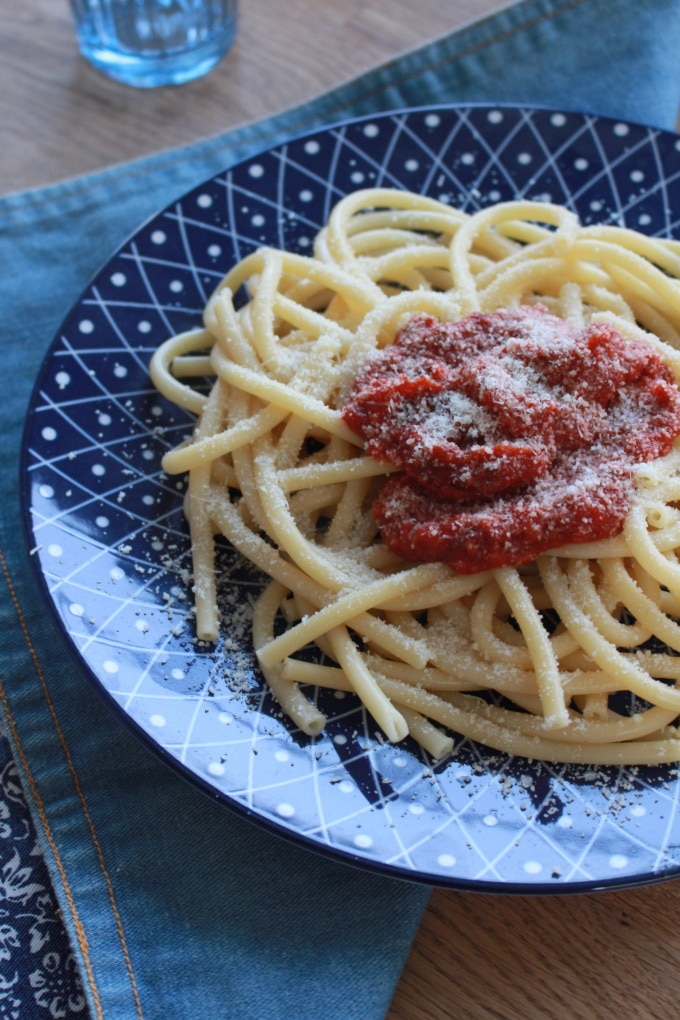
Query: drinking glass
154	42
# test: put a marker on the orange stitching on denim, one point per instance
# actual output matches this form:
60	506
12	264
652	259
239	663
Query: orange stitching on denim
135	171
82	936
80	931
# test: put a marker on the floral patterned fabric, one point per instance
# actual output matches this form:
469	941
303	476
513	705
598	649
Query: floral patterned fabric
38	975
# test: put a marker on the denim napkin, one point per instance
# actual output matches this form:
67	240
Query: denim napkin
176	908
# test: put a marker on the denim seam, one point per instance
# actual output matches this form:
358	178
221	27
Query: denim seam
42	815
309	118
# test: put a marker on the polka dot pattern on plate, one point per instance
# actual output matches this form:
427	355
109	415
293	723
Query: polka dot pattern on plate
110	540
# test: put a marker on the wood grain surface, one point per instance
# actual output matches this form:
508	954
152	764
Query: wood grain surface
602	956
58	117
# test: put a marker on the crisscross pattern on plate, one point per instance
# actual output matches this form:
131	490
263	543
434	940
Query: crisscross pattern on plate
112	548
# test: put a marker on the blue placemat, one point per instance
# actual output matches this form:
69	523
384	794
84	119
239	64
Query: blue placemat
172	906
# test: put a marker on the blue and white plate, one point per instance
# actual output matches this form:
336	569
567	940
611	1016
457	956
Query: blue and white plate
113	551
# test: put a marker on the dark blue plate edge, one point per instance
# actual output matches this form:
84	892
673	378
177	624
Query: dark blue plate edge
299	838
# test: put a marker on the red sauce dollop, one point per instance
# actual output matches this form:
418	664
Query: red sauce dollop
515	433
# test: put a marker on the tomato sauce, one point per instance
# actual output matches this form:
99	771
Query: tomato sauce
515	432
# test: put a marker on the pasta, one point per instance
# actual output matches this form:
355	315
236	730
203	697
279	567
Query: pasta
571	656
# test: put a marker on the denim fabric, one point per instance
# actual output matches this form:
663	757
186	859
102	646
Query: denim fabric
175	907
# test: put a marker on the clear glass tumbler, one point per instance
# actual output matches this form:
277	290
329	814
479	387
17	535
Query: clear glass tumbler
154	42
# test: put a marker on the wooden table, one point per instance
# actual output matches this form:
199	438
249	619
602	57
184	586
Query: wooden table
476	957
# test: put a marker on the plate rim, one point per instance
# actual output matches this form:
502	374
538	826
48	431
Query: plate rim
180	768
